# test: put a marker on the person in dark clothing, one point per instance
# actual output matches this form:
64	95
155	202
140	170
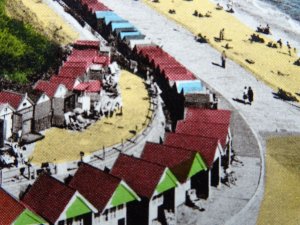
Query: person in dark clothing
250	95
223	59
280	43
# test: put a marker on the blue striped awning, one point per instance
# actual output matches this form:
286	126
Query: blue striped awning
116	25
190	86
125	34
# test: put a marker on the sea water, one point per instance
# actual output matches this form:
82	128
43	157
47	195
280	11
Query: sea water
290	7
283	16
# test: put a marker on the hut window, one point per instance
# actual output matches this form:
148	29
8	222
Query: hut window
5	110
24	104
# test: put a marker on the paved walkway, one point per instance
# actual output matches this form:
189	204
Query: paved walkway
266	115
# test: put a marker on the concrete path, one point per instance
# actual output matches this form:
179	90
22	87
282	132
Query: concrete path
266	115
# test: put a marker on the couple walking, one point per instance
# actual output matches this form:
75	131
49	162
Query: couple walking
248	95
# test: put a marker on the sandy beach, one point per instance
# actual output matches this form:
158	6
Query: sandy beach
105	132
273	65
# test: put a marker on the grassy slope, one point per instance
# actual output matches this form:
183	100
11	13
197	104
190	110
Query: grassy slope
23	52
281	204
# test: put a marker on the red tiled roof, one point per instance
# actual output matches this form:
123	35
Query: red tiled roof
85	55
76	64
140	49
140	175
101	59
95	185
178	73
214	130
205	146
48	197
10	208
68	82
47	87
71	72
208	115
94	5
14	99
177	159
87	43
91	86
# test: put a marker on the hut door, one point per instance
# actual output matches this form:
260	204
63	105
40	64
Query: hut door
1	133
26	127
121	221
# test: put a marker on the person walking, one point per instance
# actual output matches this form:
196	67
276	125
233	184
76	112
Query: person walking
250	95
245	95
280	43
223	59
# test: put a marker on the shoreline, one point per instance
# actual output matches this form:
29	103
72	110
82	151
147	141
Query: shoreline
273	66
255	12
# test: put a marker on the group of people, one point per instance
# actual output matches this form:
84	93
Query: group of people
198	14
248	95
256	38
265	30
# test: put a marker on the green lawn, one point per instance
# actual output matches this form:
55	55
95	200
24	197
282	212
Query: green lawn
281	203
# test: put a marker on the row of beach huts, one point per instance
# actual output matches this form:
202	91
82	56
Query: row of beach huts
24	115
147	190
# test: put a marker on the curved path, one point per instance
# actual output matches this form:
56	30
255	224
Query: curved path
266	115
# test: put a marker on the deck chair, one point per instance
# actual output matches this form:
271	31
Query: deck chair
193	200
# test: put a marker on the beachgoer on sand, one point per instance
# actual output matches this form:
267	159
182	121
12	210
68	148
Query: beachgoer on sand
280	43
223	59
221	36
250	95
289	48
245	95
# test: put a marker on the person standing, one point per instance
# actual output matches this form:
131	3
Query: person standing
250	95
223	59
289	48
280	43
245	95
221	36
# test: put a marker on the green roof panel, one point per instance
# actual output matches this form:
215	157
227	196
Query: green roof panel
123	195
197	166
167	183
78	207
29	218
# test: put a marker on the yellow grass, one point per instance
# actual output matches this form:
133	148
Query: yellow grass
268	61
62	145
281	204
43	18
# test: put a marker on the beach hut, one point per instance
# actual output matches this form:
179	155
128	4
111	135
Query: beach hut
190	87
57	203
62	100
86	44
23	115
88	93
106	192
210	123
209	149
12	212
155	185
69	83
6	122
185	165
42	114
